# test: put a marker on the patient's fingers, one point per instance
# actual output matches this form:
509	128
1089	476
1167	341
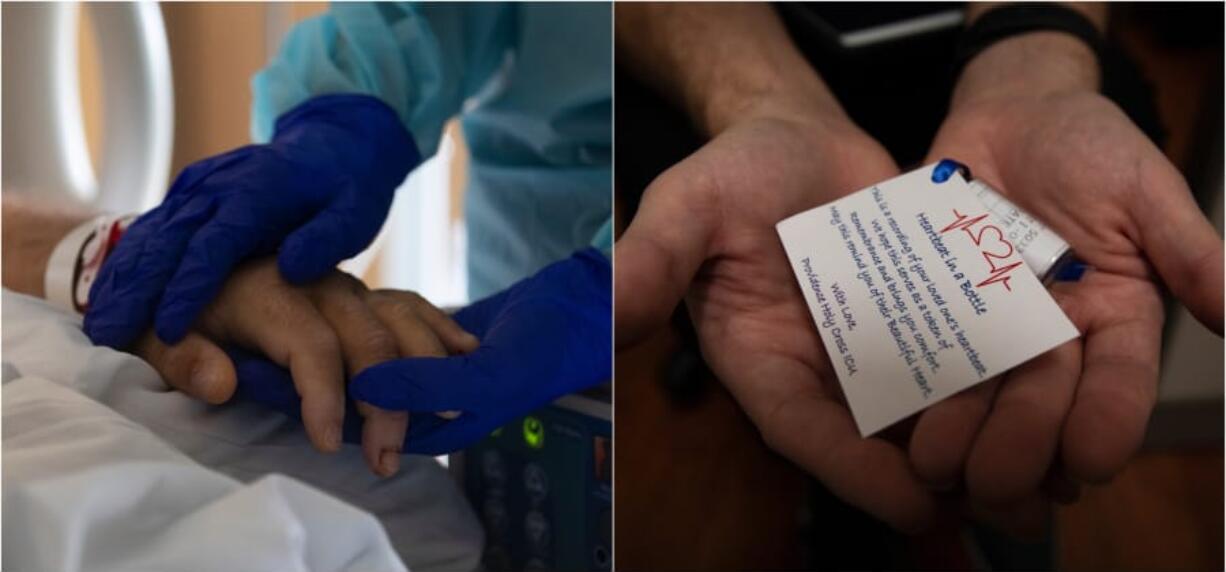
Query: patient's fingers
194	366
365	341
415	338
383	438
258	309
453	337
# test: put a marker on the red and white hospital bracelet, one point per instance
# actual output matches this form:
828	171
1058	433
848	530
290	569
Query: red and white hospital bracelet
76	260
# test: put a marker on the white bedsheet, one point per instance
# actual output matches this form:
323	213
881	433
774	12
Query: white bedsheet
105	468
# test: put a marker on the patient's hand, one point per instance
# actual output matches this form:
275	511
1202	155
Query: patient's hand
323	332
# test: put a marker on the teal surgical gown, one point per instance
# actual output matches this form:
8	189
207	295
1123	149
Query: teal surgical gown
532	85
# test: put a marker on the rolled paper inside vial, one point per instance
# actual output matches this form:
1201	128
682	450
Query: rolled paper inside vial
1043	251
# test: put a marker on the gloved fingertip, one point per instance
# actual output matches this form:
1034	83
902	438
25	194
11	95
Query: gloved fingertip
376	387
362	387
170	328
107	333
298	268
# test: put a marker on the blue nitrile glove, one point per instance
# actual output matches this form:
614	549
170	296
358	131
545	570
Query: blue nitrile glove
319	192
264	382
546	336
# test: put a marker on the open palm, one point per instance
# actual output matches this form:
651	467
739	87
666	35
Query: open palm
1079	165
706	231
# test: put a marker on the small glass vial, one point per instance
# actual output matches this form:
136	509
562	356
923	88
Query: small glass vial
1042	250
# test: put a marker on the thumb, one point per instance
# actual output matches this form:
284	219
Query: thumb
421	385
195	366
1181	244
660	252
341	230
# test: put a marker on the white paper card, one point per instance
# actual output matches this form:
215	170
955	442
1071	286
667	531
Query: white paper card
917	294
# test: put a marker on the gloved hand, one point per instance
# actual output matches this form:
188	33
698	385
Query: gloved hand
548	335
1027	119
544	337
319	192
262	381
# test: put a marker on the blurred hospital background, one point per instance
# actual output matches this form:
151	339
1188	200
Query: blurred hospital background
134	92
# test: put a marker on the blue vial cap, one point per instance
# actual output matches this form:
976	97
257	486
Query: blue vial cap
1072	271
946	169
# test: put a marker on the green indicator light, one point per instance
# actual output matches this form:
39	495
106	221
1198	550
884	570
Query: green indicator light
534	432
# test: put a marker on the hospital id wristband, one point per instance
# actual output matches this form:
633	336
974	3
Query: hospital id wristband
77	259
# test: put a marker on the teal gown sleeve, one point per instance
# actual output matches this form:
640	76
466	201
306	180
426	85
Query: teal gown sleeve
532	84
424	60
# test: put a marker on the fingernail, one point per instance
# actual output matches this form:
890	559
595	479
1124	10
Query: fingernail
389	462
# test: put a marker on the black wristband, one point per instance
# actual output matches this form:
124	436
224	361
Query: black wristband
1015	19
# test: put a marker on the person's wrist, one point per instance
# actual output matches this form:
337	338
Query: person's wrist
767	81
31	230
1033	65
793	101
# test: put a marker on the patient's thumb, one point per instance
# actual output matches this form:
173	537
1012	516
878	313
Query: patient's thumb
195	366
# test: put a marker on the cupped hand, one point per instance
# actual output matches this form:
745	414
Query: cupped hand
543	337
1076	162
322	332
313	196
706	231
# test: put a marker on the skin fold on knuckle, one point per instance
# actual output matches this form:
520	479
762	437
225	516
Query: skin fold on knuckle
345	303
378	346
393	305
319	342
337	283
415	336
